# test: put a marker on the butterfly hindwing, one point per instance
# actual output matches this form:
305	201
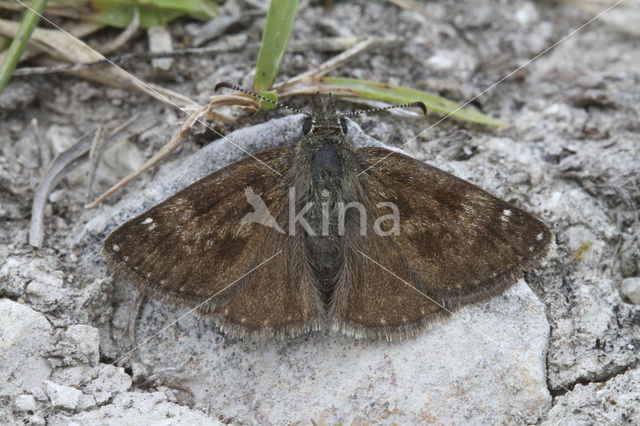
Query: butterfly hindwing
276	298
376	297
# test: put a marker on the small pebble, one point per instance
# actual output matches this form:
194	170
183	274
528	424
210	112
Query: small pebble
64	397
26	403
630	289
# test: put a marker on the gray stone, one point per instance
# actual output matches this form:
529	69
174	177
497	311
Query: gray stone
87	402
487	362
99	383
60	137
18	95
87	341
75	375
26	403
615	402
593	329
111	381
23	365
137	408
630	254
630	288
82	343
37	420
12	284
160	41
123	157
46	286
64	397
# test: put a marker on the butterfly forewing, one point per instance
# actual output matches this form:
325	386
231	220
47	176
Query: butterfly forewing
460	243
194	248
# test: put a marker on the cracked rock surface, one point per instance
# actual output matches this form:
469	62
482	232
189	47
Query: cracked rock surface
560	347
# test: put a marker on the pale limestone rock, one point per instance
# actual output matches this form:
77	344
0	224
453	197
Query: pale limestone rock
64	397
25	336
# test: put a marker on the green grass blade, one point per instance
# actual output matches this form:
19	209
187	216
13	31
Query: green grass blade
20	41
397	94
276	33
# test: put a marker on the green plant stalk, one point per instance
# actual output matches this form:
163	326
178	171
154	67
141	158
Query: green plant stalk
275	36
20	41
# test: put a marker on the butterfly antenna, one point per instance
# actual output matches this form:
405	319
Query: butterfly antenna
418	104
249	92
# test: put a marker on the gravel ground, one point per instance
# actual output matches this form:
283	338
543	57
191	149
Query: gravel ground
569	156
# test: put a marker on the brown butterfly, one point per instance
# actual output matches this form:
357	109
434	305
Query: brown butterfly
367	241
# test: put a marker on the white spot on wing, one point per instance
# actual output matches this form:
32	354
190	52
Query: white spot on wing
505	215
115	247
149	222
539	236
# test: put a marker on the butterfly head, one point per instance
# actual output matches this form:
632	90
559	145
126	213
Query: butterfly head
324	120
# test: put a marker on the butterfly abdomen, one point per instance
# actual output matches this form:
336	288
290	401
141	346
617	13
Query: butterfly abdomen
322	193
